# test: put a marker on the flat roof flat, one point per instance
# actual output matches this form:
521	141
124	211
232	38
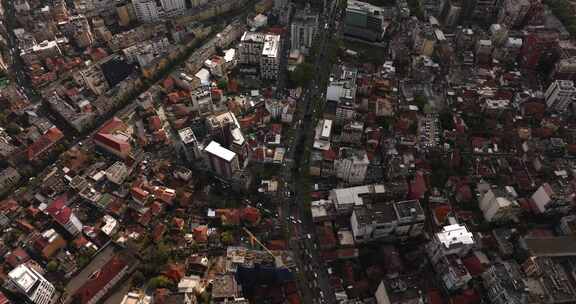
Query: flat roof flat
216	149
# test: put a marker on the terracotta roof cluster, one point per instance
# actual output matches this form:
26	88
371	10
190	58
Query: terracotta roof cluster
45	142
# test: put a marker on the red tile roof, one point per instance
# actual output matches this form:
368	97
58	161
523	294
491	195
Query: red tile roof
43	143
474	266
3	299
100	279
154	122
16	257
59	211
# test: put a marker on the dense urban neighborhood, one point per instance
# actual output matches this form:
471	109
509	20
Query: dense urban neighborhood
287	151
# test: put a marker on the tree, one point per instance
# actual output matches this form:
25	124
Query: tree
223	84
226	237
302	75
138	278
420	101
13	129
159	282
52	266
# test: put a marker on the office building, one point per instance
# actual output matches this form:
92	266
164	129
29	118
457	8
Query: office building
189	144
505	283
260	50
351	165
559	95
173	6
303	30
124	11
451	13
146	10
270	60
498	204
365	21
27	281
221	160
379	219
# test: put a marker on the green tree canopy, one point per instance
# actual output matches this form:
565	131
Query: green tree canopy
302	75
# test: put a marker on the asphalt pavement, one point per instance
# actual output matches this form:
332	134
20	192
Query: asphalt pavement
315	286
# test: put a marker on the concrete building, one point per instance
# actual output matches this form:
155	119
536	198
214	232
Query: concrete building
498	204
345	199
93	78
125	12
146	10
445	251
261	50
513	12
342	91
549	269
189	144
9	177
225	129
173	6
221	160
553	198
509	51
352	132
559	95
351	165
365	21
451	13
505	283
379	219
28	282
270	59
303	30
424	39
323	135
202	102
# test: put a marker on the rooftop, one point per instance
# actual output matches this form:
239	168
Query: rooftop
561	246
24	277
455	234
216	149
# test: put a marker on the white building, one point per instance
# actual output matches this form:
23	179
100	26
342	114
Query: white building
499	204
553	198
559	95
202	101
381	294
146	10
27	281
173	6
345	199
445	251
351	165
222	161
323	135
454	239
303	30
189	143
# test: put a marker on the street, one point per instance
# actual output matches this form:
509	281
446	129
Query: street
316	288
